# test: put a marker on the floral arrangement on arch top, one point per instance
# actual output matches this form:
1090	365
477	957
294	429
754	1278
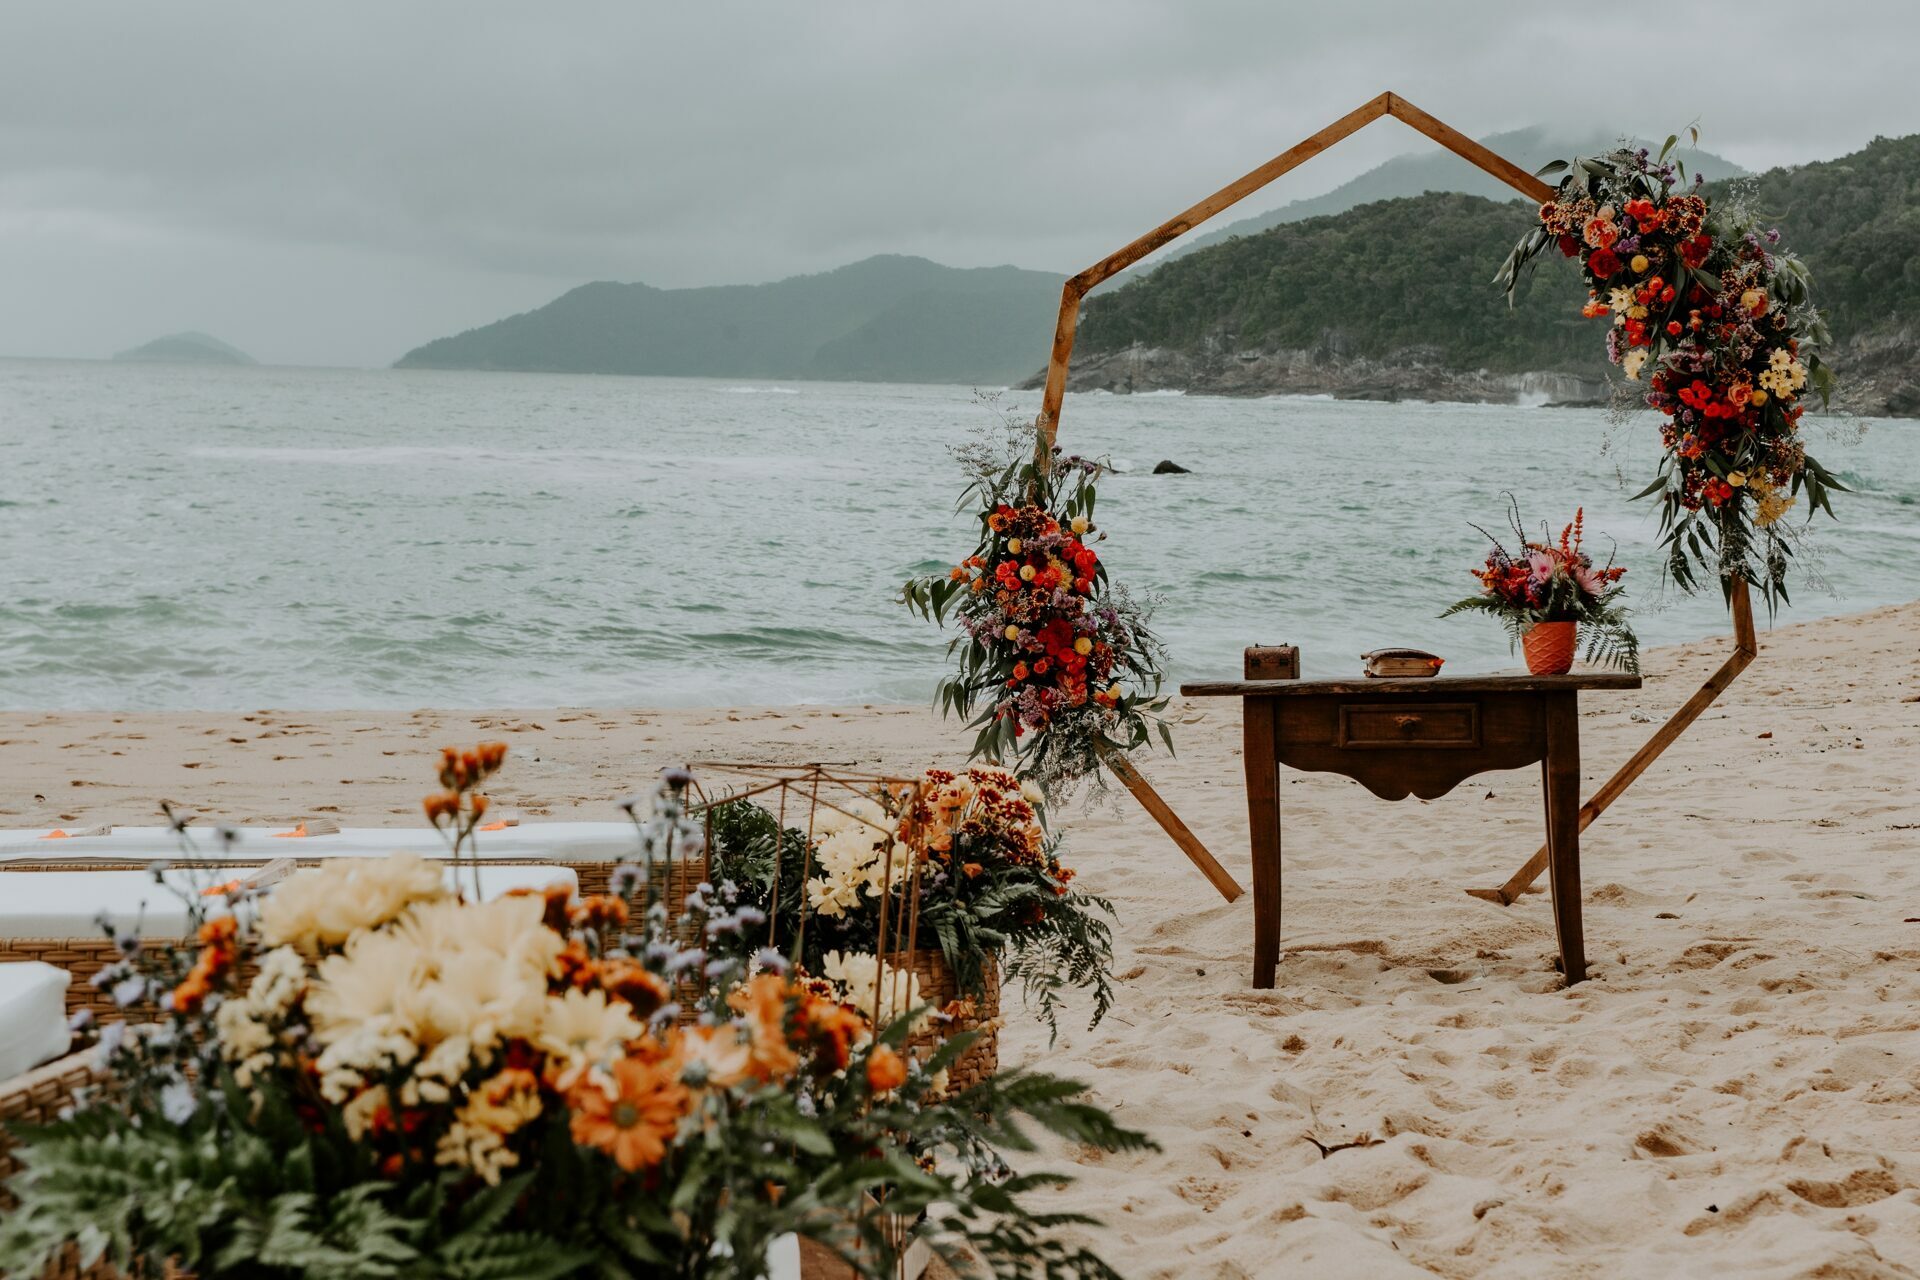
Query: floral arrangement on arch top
416	1084
1057	664
1719	321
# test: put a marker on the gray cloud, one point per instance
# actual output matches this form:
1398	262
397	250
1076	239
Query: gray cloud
335	183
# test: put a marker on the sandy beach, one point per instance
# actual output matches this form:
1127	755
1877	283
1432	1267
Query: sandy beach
1736	1091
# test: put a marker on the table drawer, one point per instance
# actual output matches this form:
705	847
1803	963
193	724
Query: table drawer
1409	724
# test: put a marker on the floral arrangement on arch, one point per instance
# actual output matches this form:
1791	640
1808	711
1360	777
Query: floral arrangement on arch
365	1073
1057	664
1550	582
1718	321
964	856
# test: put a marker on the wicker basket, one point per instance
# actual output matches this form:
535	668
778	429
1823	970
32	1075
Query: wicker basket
940	986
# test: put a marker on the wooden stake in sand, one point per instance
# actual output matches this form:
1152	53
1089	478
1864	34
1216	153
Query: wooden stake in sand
1745	650
1075	291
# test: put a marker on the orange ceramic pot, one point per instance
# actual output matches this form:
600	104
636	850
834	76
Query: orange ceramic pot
1549	648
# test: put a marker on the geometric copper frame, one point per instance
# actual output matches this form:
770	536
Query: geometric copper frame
1074	292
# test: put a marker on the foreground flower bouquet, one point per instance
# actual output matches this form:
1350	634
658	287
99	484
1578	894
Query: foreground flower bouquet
1552	599
960	865
1719	323
1057	664
365	1074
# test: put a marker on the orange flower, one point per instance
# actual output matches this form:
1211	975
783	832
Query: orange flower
886	1070
972	870
600	910
639	986
835	1027
764	1002
635	1120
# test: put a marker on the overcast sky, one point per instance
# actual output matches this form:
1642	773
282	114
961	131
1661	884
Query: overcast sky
334	183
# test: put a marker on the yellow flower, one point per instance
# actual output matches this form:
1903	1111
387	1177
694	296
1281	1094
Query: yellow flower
1635	360
1083	646
1737	479
1638	263
1012	632
1759	398
1026	573
1013	545
1636	312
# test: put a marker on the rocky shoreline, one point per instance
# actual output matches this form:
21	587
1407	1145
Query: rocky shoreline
1879	377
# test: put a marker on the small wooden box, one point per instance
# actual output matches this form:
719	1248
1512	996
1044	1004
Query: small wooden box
1271	662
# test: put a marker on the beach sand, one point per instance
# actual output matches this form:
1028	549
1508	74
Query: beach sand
1736	1091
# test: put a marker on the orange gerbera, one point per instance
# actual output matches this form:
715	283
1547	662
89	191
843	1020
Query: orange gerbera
635	1120
764	1002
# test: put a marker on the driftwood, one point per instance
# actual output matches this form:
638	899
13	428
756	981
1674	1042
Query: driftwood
1074	292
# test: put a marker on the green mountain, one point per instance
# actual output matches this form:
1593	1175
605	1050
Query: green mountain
1437	169
886	319
1393	298
187	348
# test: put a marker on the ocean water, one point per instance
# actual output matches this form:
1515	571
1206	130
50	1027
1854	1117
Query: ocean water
176	537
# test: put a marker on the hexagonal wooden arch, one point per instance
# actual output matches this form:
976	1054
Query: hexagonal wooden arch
1745	647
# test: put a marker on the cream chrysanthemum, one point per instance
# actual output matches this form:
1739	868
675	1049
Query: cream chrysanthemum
579	1028
319	908
866	983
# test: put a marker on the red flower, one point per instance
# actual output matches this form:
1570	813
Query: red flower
1603	263
1569	246
1694	250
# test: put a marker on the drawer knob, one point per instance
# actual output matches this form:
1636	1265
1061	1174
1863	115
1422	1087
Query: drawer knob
1407	723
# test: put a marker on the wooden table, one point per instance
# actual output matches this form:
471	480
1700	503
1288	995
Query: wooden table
1414	737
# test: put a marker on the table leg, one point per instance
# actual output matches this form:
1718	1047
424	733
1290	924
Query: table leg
1261	747
1562	784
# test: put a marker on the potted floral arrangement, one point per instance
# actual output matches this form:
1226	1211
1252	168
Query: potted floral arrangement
963	856
363	1073
1552	599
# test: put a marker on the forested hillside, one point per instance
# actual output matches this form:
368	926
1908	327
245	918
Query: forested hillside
1400	285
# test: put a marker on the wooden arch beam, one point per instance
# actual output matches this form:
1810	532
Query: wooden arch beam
1080	285
1074	292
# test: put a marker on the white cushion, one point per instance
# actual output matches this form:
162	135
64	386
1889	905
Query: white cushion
33	1016
553	841
67	904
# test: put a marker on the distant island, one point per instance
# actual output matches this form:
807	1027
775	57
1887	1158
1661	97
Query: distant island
885	319
187	348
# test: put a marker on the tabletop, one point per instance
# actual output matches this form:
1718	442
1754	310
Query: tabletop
1400	687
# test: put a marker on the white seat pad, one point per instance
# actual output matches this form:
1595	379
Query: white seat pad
33	1016
67	904
554	841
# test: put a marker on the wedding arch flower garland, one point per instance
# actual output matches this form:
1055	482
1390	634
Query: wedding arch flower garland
1717	320
1057	664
